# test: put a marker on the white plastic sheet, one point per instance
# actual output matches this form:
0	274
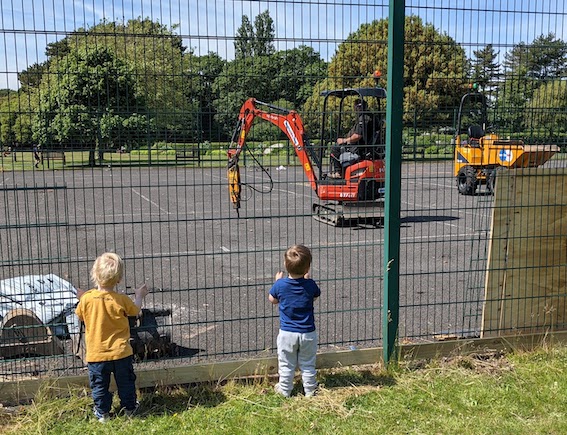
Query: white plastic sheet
48	296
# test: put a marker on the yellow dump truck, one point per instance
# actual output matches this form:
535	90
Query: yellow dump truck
479	155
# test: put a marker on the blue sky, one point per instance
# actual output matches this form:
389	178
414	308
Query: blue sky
27	26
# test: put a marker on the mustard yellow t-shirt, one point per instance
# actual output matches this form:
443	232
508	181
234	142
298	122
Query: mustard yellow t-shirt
107	330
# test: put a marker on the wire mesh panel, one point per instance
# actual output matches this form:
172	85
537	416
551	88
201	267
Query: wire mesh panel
472	102
118	120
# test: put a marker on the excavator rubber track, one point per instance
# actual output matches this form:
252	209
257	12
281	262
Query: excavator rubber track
350	214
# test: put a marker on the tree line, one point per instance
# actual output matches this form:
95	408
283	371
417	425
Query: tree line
129	85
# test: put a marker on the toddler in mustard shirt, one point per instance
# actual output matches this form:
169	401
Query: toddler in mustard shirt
107	335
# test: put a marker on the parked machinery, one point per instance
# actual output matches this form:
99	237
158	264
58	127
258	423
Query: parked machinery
482	153
359	193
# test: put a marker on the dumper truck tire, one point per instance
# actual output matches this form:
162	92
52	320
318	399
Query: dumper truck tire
467	181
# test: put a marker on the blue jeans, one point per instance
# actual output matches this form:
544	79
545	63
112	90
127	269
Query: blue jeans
99	377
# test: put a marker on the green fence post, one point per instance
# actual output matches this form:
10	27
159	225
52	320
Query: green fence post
394	112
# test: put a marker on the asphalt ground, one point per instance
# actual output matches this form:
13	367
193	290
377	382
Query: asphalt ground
177	231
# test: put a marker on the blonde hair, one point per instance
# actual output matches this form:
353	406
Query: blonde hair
107	270
297	259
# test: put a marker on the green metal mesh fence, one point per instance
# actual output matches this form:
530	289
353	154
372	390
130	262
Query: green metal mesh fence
115	122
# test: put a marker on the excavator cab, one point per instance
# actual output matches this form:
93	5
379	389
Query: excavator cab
338	116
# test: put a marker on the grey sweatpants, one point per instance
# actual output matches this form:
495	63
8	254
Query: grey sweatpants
297	349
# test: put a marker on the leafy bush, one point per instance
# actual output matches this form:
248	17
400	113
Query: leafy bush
162	145
432	149
205	147
439	149
154	152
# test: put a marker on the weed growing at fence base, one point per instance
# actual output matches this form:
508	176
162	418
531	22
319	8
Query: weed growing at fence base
523	393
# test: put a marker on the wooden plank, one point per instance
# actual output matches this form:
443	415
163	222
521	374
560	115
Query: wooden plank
497	254
526	286
18	391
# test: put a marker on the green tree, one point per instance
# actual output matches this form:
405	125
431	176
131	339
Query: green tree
435	68
285	75
90	102
244	39
242	79
299	69
155	56
16	115
526	68
31	77
62	47
547	58
255	40
8	115
201	73
26	106
546	113
486	71
264	35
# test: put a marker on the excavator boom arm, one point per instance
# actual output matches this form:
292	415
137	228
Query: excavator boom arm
288	121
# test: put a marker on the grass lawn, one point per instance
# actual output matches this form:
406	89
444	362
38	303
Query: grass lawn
518	393
80	159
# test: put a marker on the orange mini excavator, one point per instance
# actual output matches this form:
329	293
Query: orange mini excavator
358	195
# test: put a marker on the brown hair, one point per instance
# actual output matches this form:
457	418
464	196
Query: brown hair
297	260
107	270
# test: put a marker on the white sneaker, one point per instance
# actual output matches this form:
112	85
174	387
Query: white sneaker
102	417
311	393
278	389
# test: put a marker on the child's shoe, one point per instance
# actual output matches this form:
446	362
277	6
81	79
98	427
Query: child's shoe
278	389
311	393
132	412
102	417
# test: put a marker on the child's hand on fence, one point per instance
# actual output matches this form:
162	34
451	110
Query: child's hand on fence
279	275
142	292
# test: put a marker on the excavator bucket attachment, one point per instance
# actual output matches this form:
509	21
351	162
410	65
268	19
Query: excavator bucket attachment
234	186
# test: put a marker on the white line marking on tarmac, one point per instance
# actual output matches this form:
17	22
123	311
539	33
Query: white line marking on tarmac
425	207
150	201
224	249
200	331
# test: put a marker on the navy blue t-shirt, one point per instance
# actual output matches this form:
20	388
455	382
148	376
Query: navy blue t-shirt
296	298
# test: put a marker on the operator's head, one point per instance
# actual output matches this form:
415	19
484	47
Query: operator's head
360	105
107	270
297	260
